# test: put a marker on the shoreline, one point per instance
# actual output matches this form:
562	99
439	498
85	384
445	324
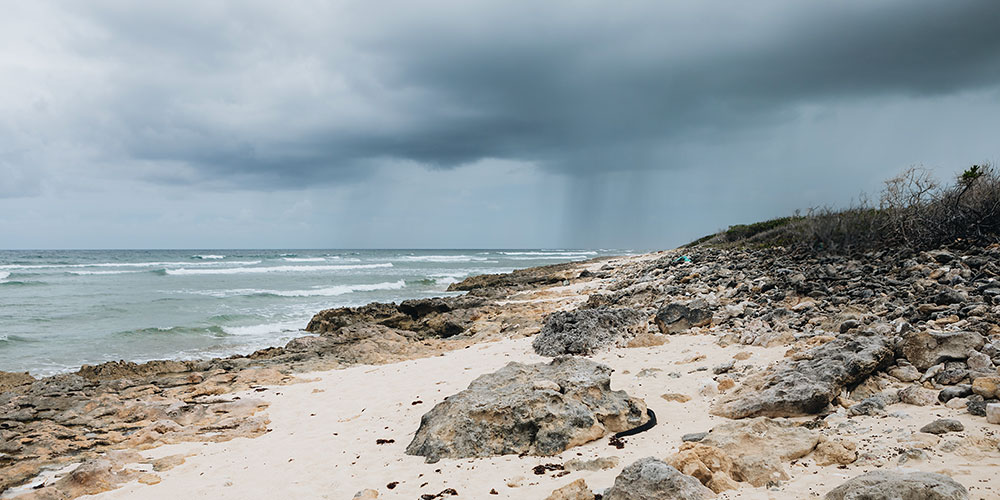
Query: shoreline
310	403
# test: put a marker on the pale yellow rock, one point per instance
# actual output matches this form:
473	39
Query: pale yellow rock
725	383
368	494
577	490
836	451
673	396
149	479
707	464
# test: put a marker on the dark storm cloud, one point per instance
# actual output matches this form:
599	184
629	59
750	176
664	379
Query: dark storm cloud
266	95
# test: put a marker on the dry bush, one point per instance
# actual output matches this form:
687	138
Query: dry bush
914	212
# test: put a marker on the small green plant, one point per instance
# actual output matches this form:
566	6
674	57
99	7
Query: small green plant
969	176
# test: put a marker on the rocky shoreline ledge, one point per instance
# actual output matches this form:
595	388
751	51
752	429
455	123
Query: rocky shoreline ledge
773	375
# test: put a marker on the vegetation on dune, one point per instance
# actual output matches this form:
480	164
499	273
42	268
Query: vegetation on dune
913	212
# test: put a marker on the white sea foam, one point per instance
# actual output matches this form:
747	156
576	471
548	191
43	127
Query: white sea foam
88	273
448	278
330	291
549	257
442	258
338	290
275	269
209	257
553	254
129	264
4	275
265	329
305	259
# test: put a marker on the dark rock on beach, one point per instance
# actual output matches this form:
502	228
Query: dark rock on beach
679	317
585	330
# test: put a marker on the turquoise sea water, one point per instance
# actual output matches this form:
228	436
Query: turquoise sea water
62	309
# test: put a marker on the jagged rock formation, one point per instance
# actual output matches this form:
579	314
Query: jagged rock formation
807	386
585	330
759	447
539	409
678	317
428	318
492	285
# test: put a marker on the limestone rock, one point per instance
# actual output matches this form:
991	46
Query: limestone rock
979	362
958	391
427	318
577	490
707	464
943	426
807	386
652	479
926	349
993	413
508	412
905	372
987	387
917	396
599	463
521	278
758	447
10	380
886	485
836	451
678	317
585	330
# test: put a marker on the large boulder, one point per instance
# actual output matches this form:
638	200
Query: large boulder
759	447
807	386
539	409
585	330
677	317
652	479
926	349
886	485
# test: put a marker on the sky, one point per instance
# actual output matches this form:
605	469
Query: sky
488	124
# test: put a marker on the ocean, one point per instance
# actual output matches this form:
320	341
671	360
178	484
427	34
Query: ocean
62	309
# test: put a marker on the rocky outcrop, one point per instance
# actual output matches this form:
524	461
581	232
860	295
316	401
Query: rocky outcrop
678	317
493	284
652	479
808	385
887	485
428	318
539	409
926	349
585	330
10	380
759	447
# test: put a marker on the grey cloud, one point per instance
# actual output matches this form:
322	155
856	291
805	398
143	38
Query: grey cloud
263	95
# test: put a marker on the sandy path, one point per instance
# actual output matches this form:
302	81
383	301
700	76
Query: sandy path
323	443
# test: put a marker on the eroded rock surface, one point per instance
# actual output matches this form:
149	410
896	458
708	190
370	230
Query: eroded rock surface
808	385
759	447
585	330
888	485
652	479
926	349
539	409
